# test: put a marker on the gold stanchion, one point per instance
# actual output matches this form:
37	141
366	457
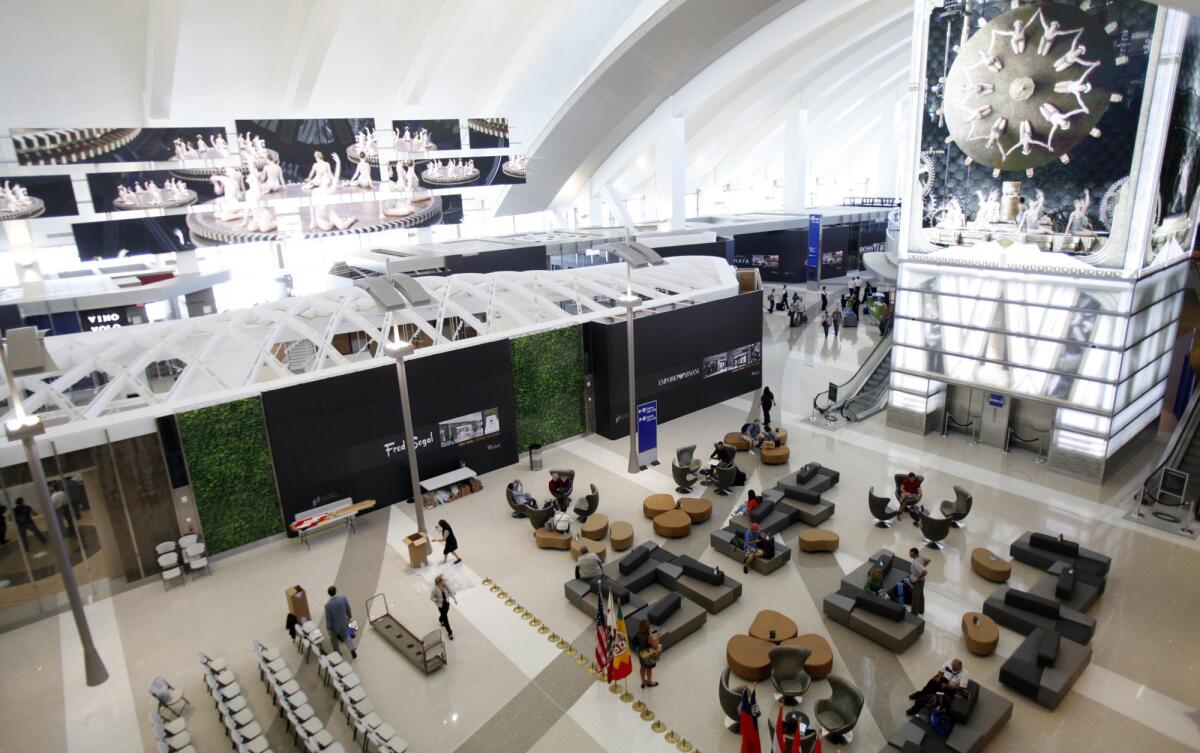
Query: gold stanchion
494	588
626	697
647	715
553	638
527	615
581	660
535	622
509	602
614	688
503	594
639	706
487	581
672	737
658	726
570	650
684	746
517	609
563	644
543	630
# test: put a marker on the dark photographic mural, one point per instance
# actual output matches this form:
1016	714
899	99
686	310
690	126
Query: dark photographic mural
1031	118
295	142
488	133
426	135
25	197
1179	178
148	189
66	146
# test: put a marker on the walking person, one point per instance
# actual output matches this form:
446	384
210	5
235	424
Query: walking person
441	598
825	324
916	578
62	507
23	517
824	299
450	540
766	401
836	318
771	301
648	650
337	621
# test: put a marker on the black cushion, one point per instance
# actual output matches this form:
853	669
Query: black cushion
1054	544
700	571
962	705
806	473
633	560
620	593
884	562
760	513
1022	676
879	605
660	610
910	747
1091	566
1047	642
1032	603
1066	584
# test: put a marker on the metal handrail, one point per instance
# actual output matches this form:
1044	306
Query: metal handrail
970	425
864	372
1181	437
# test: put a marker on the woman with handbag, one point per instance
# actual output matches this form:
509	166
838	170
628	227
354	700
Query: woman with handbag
648	649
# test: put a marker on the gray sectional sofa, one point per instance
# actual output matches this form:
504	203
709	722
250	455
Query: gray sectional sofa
793	501
1062	583
978	717
884	621
722	541
1025	612
707	586
1043	551
1045	666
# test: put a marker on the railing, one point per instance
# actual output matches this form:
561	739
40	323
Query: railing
1177	445
870	201
1040	440
847	389
969	428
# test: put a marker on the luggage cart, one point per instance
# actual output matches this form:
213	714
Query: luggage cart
428	653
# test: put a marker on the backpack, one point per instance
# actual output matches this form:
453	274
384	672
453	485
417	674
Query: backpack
941	722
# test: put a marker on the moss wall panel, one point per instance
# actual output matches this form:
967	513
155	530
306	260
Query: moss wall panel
548	386
229	462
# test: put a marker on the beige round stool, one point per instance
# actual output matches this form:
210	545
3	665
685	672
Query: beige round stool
981	633
657	504
595	547
620	535
736	441
989	566
595	527
818	540
699	510
748	657
775	455
673	524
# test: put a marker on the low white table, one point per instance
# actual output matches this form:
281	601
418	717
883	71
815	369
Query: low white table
456	476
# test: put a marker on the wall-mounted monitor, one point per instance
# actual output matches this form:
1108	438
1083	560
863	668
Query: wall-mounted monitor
27	197
113	239
426	135
67	146
148	189
488	133
296	141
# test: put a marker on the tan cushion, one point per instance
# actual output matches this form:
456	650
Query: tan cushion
673	524
775	455
699	510
748	657
595	527
820	658
620	534
735	440
547	539
818	540
768	620
595	547
657	504
989	566
981	633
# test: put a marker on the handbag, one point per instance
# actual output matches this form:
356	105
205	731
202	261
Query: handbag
352	629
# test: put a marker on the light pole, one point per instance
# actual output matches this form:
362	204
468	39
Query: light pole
636	256
392	294
24	353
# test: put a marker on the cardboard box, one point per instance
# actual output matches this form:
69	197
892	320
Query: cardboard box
297	601
418	549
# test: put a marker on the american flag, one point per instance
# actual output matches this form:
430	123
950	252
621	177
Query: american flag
601	637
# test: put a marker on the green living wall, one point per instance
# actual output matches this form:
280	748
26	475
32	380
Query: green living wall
548	384
233	481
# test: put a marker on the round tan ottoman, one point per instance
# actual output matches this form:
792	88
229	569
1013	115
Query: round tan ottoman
747	657
769	620
775	455
673	524
595	547
736	441
699	510
981	633
820	657
657	504
620	535
780	437
595	527
818	540
989	566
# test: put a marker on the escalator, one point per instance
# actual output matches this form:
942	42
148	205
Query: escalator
1162	504
863	394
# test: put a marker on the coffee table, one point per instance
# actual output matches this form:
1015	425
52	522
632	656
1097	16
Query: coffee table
981	633
989	566
748	657
699	510
673	524
820	658
657	504
769	620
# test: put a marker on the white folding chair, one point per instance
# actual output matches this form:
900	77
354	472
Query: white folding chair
187	540
196	559
165	548
216	665
170	575
176	741
168	560
168	696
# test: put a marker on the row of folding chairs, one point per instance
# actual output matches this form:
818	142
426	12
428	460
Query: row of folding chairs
337	673
172	736
245	734
285	691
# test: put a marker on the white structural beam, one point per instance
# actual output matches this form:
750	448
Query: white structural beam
162	53
436	40
795	159
669	167
320	24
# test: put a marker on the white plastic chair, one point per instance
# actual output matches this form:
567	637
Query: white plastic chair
164	548
168	696
168	560
196	559
170	575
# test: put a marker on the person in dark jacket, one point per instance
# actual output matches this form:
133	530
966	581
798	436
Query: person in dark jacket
23	517
337	621
450	540
766	401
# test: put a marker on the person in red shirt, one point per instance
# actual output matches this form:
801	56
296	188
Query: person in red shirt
910	495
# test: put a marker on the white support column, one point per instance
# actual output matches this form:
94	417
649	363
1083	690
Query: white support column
670	167
795	160
162	48
24	256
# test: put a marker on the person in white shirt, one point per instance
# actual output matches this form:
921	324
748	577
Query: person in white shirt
62	507
950	679
918	569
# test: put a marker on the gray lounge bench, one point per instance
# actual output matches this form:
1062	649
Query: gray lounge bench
1045	667
1042	551
887	623
722	541
977	719
1061	584
672	616
1025	612
703	584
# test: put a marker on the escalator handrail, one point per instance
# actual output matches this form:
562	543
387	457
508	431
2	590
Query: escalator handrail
1181	438
881	391
864	372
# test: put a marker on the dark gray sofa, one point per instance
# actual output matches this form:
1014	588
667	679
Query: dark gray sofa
977	719
1025	612
1045	667
1062	583
1041	550
722	541
672	616
708	586
771	517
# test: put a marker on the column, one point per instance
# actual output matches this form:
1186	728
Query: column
795	160
24	257
669	168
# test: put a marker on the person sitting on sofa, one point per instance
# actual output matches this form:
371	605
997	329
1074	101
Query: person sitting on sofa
949	680
518	493
910	496
756	543
722	456
589	568
752	433
874	581
746	507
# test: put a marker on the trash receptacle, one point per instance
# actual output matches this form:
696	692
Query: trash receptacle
535	457
418	549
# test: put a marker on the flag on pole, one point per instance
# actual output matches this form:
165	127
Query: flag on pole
778	741
601	657
816	748
622	659
610	622
748	722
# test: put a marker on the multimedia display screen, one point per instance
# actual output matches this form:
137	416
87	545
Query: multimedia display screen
26	197
68	146
441	135
296	141
114	239
147	189
488	133
468	428
733	360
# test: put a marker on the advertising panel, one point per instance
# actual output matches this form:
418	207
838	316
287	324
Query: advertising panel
113	239
488	133
68	146
148	189
26	197
779	255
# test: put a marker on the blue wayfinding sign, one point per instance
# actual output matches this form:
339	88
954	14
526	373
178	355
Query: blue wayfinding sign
995	400
814	240
647	433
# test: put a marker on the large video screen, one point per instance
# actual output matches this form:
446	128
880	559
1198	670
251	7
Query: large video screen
67	146
779	255
114	239
25	197
343	436
426	135
467	172
488	133
295	142
148	189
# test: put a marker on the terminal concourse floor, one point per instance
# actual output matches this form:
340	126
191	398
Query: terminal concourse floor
506	688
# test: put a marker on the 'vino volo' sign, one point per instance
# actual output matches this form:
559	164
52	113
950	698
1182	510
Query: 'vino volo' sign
98	319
